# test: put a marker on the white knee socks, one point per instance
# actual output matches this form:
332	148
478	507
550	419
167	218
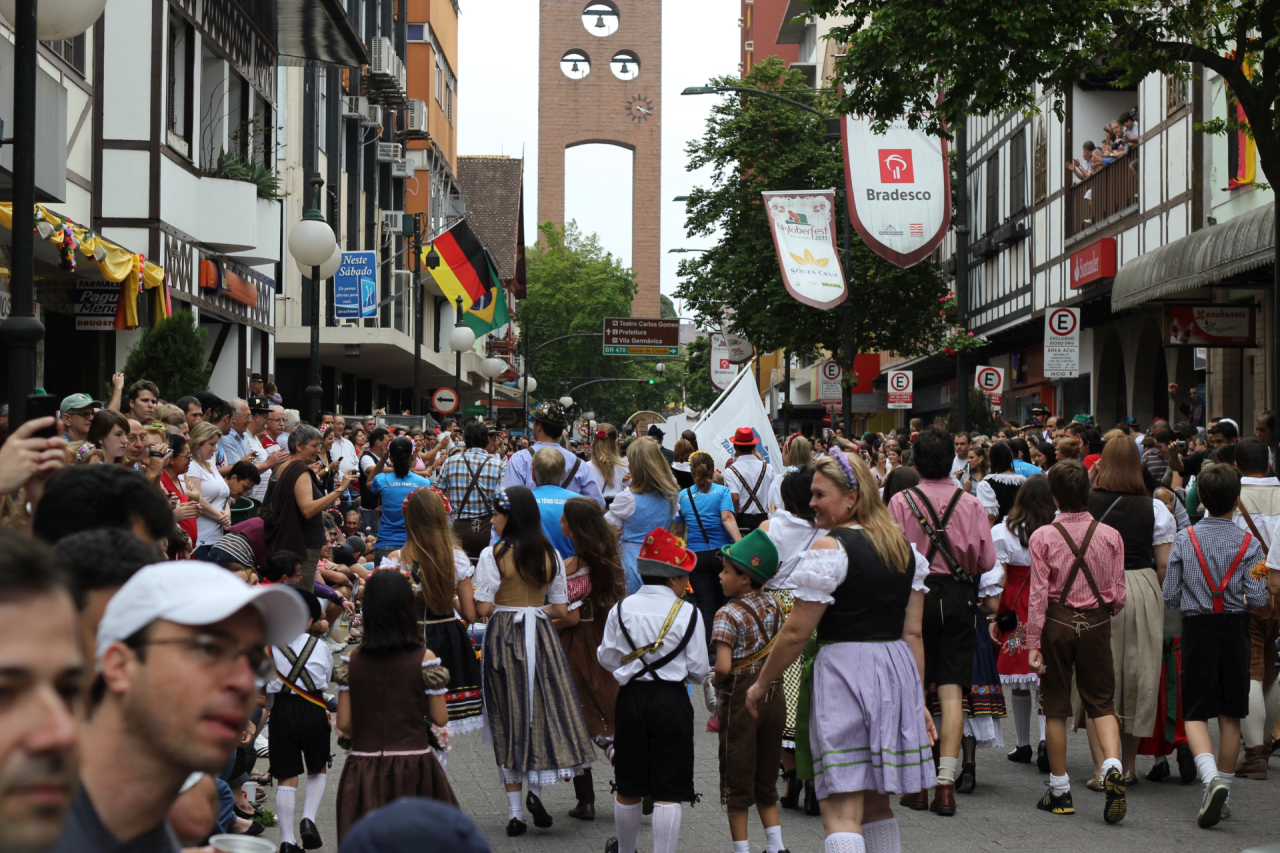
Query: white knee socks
1059	784
666	827
315	790
1263	702
844	842
773	839
285	798
515	808
1020	710
626	820
1207	765
881	836
947	770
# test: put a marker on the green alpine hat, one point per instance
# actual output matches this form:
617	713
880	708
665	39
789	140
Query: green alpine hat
755	554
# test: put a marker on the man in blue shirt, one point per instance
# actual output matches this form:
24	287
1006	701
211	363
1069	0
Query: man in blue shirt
549	422
548	473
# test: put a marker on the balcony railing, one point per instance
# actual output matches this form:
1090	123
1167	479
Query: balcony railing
1107	192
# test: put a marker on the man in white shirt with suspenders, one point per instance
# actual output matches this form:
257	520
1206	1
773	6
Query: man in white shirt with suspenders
749	480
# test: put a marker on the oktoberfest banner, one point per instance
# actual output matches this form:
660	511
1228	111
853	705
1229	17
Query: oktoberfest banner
898	186
803	228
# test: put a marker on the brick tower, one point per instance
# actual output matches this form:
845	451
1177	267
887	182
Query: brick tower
600	81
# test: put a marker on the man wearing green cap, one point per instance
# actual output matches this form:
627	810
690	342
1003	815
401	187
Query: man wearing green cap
77	410
743	634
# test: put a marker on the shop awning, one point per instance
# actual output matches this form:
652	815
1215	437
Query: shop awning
1206	257
318	32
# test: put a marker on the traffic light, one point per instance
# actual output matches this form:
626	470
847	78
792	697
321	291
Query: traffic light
652	382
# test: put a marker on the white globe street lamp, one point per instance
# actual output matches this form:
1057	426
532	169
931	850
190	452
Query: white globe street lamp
328	269
461	339
59	19
566	401
312	244
492	367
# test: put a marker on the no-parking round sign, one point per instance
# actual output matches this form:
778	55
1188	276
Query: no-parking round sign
900	389
1062	343
990	381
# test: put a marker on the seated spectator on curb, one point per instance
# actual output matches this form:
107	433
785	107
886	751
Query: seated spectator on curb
179	650
44	675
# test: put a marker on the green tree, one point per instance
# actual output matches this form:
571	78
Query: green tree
668	307
989	58
172	355
573	284
755	144
697	374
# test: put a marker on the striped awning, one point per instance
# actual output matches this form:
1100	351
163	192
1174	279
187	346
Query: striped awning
1209	256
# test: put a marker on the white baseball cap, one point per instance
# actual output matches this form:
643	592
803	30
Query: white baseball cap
191	592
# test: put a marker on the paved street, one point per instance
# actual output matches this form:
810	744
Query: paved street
999	816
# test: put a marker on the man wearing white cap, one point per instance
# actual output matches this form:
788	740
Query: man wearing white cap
181	653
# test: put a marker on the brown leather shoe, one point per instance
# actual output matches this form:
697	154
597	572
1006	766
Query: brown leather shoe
1254	763
583	811
944	800
919	801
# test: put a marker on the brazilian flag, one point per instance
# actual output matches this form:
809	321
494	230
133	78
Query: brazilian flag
489	310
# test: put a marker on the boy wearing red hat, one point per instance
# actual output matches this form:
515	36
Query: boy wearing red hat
749	480
648	647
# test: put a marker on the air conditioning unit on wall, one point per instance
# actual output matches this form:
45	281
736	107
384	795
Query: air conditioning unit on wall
355	106
392	222
382	58
373	117
402	169
389	152
416	118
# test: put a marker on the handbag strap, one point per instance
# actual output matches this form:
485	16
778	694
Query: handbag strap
577	463
1253	528
694	507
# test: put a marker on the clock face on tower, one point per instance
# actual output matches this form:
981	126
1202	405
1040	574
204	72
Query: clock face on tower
640	108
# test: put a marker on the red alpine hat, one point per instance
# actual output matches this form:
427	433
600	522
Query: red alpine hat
662	555
744	436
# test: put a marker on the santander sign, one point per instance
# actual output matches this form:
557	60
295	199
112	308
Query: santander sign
1094	263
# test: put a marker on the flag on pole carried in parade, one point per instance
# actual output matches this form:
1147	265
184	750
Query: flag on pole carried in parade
740	406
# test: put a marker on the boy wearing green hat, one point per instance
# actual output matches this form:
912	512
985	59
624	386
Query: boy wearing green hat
743	634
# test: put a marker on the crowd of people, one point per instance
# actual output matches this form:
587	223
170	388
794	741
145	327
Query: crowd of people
191	588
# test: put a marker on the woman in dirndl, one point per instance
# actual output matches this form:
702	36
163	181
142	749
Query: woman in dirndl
862	730
595	583
441	574
532	713
1032	509
792	530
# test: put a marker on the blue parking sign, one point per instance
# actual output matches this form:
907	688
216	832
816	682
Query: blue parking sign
355	286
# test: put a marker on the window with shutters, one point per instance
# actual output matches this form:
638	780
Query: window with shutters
179	85
1041	161
70	51
993	191
1018	173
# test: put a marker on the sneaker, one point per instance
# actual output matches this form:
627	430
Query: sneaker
1042	758
1116	807
1056	803
1215	797
1021	755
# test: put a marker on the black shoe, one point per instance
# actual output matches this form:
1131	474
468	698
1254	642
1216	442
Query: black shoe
791	799
968	779
811	800
1186	765
1056	804
1116	807
541	818
1158	771
1021	755
1042	758
286	847
309	835
515	827
611	846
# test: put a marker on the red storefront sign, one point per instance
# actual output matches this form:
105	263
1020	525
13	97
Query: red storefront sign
1094	263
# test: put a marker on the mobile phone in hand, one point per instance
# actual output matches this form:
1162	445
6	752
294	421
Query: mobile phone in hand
43	406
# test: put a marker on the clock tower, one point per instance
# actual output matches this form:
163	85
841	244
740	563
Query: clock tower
600	81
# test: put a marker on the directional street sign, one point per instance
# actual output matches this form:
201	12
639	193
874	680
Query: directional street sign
444	401
647	336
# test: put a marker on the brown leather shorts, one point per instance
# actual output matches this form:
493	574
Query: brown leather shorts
1077	641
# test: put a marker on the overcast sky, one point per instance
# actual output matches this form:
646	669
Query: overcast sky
498	114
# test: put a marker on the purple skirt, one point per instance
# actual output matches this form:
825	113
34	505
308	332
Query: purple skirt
867	728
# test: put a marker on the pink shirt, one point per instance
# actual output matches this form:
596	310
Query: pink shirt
1051	561
968	530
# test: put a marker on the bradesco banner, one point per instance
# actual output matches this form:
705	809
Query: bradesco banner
898	186
355	286
722	369
803	228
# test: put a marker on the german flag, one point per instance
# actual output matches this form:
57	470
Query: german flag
463	270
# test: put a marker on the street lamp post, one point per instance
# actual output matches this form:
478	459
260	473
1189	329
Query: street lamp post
492	368
312	244
417	315
21	330
461	339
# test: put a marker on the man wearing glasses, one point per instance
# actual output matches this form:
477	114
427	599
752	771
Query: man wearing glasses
77	411
181	648
275	434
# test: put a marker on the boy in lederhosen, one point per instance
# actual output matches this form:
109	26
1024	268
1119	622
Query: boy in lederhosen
299	735
742	634
649	647
1077	585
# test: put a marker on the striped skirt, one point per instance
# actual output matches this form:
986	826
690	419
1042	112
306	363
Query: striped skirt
551	745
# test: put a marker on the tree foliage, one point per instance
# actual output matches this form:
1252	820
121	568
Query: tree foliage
172	355
989	58
755	144
699	393
573	284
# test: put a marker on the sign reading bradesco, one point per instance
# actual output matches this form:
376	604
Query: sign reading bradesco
649	336
722	369
898	189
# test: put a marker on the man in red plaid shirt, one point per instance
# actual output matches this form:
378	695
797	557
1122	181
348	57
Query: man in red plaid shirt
1077	585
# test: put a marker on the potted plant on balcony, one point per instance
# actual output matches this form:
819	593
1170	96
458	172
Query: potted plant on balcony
948	306
963	341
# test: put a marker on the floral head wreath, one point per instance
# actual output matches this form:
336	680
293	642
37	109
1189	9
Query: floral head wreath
791	469
443	498
84	450
786	445
693	456
502	503
850	479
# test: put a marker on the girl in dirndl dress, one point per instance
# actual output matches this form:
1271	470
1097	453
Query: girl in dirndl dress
1032	509
861	588
595	584
441	574
532	713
